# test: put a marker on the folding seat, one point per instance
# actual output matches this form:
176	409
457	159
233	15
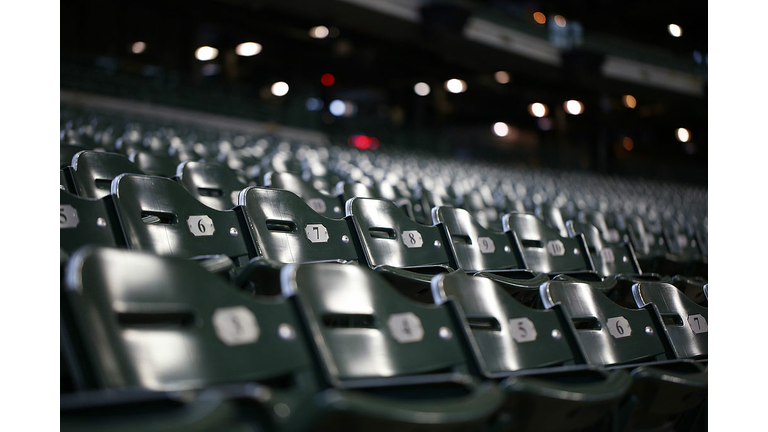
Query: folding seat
282	228
327	205
550	388
407	253
346	191
684	322
213	184
610	259
146	325
609	232
154	164
649	247
92	172
545	251
85	221
497	256
158	215
611	335
684	252
392	363
67	152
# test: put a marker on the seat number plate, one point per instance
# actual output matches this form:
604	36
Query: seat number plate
698	323
68	216
486	245
200	225
405	327
555	248
316	233
235	325
412	239
522	330
607	255
619	327
317	205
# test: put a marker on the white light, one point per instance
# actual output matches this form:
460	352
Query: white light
683	135
675	30
455	85
319	32
574	107
205	53
338	108
500	129
501	77
138	47
279	88
421	89
537	109
247	49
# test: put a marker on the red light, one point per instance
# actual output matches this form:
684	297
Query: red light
327	80
363	142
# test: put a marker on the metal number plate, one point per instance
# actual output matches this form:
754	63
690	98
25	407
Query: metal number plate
317	205
522	330
619	327
698	323
234	195
405	327
235	325
486	245
607	255
316	233
555	248
200	225
412	239
68	217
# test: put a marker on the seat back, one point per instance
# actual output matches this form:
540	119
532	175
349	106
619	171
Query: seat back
598	220
164	323
509	335
365	332
283	228
212	184
685	322
645	243
85	221
92	172
609	334
544	249
552	216
67	152
386	236
153	164
474	248
326	205
159	215
346	191
609	259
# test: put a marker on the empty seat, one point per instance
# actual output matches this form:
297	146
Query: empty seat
394	362
648	246
92	172
609	258
498	256
609	233
85	221
158	215
326	205
165	324
346	191
154	164
684	322
552	216
213	184
284	229
67	152
408	253
545	251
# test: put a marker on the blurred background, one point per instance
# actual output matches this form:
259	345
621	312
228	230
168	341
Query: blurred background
605	86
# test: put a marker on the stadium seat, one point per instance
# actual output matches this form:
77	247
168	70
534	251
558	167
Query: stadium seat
140	321
346	191
395	364
153	164
158	215
326	205
609	258
552	216
67	152
406	252
213	184
92	172
497	256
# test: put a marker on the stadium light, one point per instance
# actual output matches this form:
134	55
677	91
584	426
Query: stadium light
279	88
248	49
205	53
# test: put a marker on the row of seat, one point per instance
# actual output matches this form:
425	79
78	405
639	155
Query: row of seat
339	348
